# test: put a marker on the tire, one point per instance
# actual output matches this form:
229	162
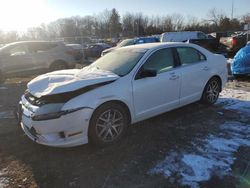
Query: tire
211	91
58	65
108	124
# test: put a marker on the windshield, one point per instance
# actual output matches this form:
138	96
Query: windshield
120	61
126	42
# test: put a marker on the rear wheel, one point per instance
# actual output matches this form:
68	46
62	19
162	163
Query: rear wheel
108	124
211	91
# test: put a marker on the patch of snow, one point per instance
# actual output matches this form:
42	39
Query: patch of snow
200	167
214	154
235	100
221	113
229	60
234	94
7	115
4	181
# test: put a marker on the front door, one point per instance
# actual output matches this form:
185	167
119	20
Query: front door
155	95
18	59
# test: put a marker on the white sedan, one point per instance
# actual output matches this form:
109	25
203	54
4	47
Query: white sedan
97	103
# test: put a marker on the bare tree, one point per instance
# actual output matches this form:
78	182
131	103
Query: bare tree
115	25
127	25
108	24
246	18
215	16
168	24
178	22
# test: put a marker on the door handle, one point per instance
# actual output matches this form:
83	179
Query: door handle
174	77
205	68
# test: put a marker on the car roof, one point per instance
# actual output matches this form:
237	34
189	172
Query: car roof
159	45
156	45
31	42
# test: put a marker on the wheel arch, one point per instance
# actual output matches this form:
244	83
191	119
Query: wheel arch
92	138
56	62
219	78
123	104
220	82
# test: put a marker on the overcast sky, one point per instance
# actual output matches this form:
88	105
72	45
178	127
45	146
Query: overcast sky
20	14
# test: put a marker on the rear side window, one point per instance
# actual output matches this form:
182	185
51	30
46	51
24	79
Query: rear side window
189	55
41	47
161	61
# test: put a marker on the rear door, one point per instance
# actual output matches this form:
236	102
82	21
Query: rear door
42	53
195	73
155	95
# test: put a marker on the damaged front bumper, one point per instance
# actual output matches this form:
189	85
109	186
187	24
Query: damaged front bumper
68	130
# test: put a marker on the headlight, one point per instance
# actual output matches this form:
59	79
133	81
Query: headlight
53	115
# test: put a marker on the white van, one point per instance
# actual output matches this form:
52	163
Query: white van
182	36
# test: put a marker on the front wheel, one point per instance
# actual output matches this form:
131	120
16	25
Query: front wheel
108	123
211	91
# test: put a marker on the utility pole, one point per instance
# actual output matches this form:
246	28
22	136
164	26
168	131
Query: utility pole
232	13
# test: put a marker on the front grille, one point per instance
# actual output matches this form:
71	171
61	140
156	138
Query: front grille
32	131
32	99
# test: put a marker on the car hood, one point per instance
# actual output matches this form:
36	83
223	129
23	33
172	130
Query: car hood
63	81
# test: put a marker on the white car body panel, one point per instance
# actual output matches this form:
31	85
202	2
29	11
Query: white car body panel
147	106
68	80
144	98
47	131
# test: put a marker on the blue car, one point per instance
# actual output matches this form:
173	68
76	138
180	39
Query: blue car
134	41
241	62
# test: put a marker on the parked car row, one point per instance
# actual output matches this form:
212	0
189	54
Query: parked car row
37	55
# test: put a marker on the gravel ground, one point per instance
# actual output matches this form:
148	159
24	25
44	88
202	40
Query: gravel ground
176	138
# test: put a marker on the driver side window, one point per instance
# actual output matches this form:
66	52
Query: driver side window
161	61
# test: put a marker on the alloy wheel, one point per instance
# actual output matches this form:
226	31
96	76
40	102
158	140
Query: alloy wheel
213	91
109	125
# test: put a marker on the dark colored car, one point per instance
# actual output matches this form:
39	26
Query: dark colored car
233	41
95	50
134	41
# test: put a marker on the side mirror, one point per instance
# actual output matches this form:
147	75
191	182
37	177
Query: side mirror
144	73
